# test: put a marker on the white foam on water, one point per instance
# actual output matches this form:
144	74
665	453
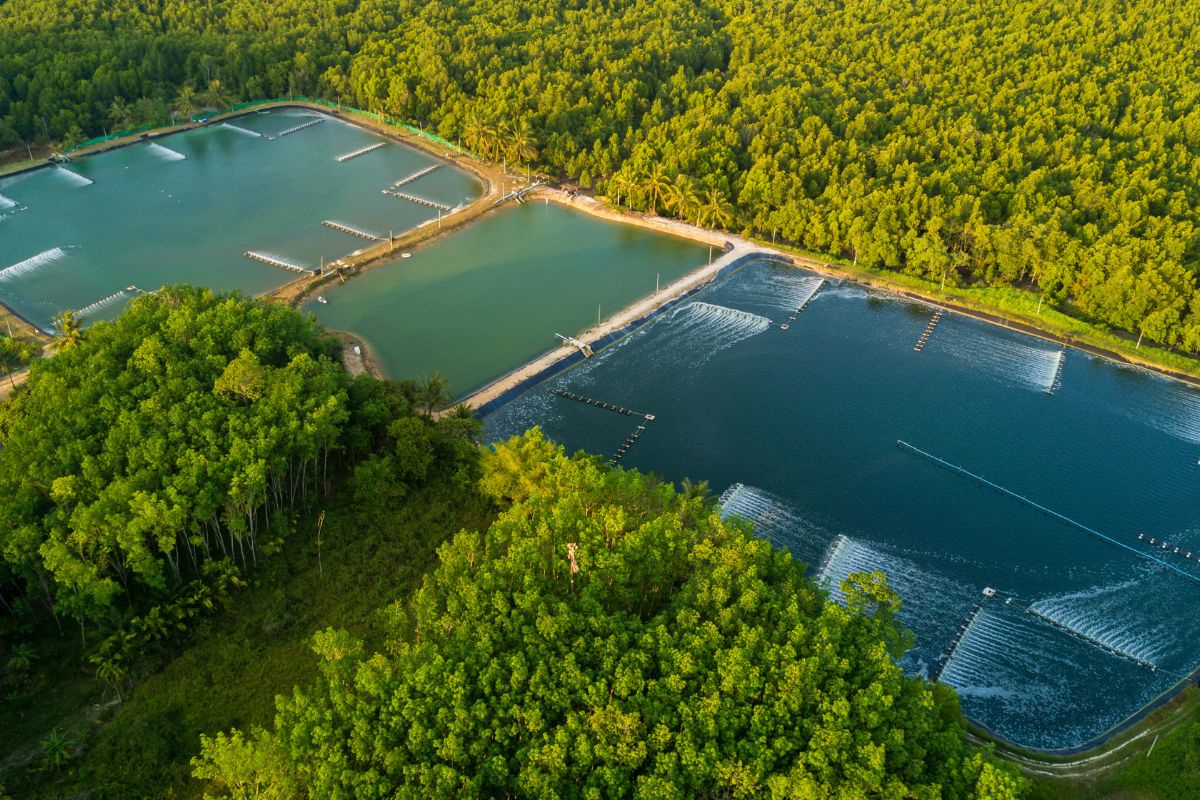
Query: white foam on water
30	264
104	302
1110	617
1177	413
166	153
1031	366
1056	372
242	130
914	584
1023	668
774	519
6	202
999	652
74	178
716	327
986	692
783	288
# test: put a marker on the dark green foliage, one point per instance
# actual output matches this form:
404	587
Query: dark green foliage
608	637
15	353
165	622
1046	145
187	431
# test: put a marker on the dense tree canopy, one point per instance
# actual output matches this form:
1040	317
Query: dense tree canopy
608	637
1051	145
181	433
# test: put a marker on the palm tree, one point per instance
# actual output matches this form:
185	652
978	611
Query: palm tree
475	131
622	184
716	212
112	672
434	393
461	423
22	657
695	490
682	197
522	145
216	94
656	185
185	101
69	332
119	115
57	748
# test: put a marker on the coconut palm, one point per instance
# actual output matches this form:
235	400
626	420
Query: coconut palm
656	184
57	749
476	132
461	423
185	101
695	490
434	393
216	94
682	198
522	147
622	184
120	115
112	671
69	332
22	657
715	212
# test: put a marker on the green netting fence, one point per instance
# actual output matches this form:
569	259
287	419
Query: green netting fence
343	107
117	135
253	103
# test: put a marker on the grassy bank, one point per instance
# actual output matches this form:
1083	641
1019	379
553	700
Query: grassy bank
1157	759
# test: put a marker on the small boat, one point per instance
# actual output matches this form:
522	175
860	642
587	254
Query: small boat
321	299
406	255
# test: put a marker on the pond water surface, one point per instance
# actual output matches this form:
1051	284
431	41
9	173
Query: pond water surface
185	208
799	431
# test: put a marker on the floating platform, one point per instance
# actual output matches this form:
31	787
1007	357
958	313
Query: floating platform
415	176
624	448
276	261
616	409
1183	553
350	229
362	151
921	342
299	128
421	201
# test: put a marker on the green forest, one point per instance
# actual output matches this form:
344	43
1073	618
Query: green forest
608	636
248	561
229	569
196	494
1050	146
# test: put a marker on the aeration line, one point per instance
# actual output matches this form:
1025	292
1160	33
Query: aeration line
1044	510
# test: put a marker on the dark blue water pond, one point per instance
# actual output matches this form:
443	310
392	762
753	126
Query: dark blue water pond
799	429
